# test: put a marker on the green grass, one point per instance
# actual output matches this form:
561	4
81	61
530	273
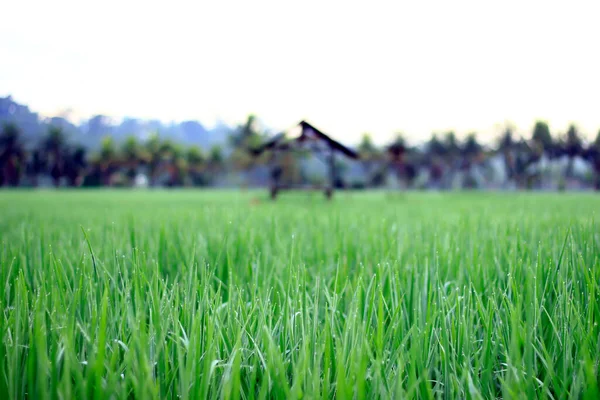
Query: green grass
109	294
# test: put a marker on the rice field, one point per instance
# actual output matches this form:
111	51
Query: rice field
225	294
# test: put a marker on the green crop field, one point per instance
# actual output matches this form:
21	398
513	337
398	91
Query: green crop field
224	294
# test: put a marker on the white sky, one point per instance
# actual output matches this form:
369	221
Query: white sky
348	67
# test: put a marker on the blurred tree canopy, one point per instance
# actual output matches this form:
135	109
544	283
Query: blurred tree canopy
62	160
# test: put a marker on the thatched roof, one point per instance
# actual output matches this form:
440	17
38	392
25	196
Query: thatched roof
309	132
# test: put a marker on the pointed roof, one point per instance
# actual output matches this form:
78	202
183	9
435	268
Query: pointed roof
308	132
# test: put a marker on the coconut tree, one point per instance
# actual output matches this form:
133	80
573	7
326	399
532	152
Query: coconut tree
572	146
243	140
451	157
216	162
592	155
36	164
435	153
174	162
132	155
75	165
506	147
471	153
12	155
369	156
196	164
179	166
401	160
542	145
525	156
152	148
54	146
107	160
471	150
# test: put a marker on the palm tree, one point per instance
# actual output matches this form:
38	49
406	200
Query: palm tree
36	165
435	153
369	156
542	145
196	164
131	157
243	140
178	166
592	154
542	141
506	147
452	156
172	157
401	160
471	153
471	149
215	162
55	147
572	146
75	165
106	160
11	155
152	148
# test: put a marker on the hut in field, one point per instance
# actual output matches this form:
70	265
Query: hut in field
305	138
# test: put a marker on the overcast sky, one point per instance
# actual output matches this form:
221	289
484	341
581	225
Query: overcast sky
381	67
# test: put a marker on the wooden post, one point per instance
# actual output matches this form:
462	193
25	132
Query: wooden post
275	174
332	175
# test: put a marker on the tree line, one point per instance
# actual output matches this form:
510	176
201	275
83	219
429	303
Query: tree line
70	164
444	156
163	162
